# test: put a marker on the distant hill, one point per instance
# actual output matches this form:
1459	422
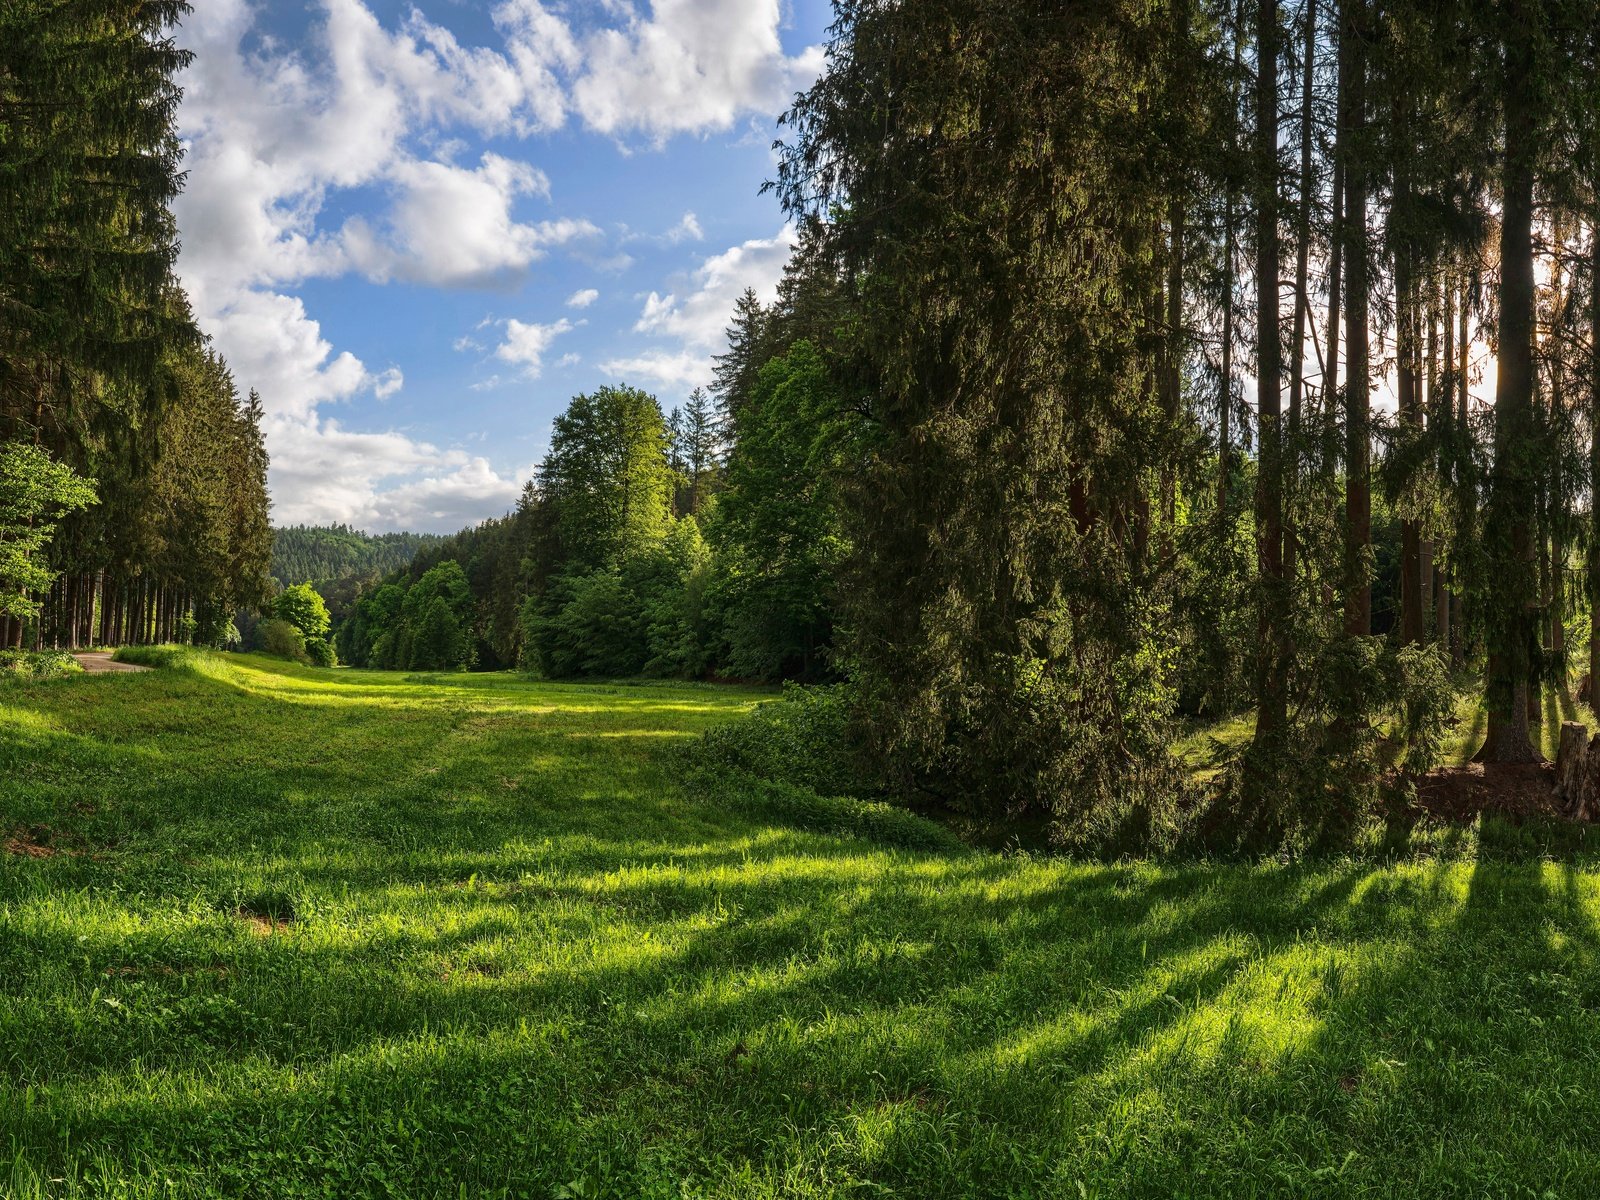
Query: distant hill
324	554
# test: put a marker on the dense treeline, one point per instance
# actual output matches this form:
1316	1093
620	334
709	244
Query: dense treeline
695	543
1071	238
103	374
327	554
1138	360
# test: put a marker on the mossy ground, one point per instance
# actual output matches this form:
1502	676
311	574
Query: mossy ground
309	933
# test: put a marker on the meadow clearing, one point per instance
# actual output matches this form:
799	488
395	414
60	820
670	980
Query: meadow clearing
267	930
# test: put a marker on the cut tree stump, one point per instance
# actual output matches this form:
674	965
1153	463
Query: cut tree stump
1585	806
1578	771
1571	757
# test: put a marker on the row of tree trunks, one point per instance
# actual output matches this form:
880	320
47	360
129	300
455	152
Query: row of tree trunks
94	609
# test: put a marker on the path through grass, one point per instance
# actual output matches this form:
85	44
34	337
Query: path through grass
352	934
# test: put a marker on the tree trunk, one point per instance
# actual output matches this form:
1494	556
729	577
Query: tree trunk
1594	452
1465	492
1272	669
1358	453
1302	298
1513	586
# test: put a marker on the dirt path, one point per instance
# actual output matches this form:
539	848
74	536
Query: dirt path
100	663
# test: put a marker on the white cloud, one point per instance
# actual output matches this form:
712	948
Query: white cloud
683	370
686	230
453	227
388	383
692	65
526	344
699	320
582	299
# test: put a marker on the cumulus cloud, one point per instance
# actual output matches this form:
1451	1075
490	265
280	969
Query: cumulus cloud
692	65
452	227
582	299
698	320
683	370
525	344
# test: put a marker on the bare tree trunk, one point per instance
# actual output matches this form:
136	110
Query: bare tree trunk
1594	451
1272	669
1358	451
1302	297
1458	610
1443	408
1513	574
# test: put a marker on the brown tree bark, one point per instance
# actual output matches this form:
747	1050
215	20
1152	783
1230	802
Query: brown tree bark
1513	575
1358	452
1272	668
1302	296
1594	449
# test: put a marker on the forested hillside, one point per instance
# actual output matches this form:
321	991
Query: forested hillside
133	475
321	554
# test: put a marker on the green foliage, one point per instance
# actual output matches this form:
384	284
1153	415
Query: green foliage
606	480
33	665
1371	719
1008	629
303	608
320	653
802	739
283	639
777	526
597	627
35	493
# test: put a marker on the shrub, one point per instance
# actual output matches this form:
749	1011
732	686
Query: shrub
801	739
282	639
320	652
31	665
159	656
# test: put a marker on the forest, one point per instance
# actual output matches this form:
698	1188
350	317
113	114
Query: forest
1146	366
133	475
1063	709
1136	366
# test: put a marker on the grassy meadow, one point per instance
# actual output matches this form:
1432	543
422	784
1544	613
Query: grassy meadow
270	931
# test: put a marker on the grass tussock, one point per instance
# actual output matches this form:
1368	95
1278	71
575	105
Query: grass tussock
319	933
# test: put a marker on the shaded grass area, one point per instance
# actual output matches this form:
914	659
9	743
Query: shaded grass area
308	933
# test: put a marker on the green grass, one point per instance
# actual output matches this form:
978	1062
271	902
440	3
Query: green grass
335	933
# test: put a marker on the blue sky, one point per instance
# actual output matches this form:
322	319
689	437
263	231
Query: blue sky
419	229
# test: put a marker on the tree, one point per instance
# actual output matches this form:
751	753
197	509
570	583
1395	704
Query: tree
736	367
35	492
303	608
777	525
1513	616
997	595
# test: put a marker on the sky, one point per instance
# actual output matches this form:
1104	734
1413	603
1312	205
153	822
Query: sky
419	229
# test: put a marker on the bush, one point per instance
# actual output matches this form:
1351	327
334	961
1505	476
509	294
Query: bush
159	656
282	639
801	739
320	652
30	665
